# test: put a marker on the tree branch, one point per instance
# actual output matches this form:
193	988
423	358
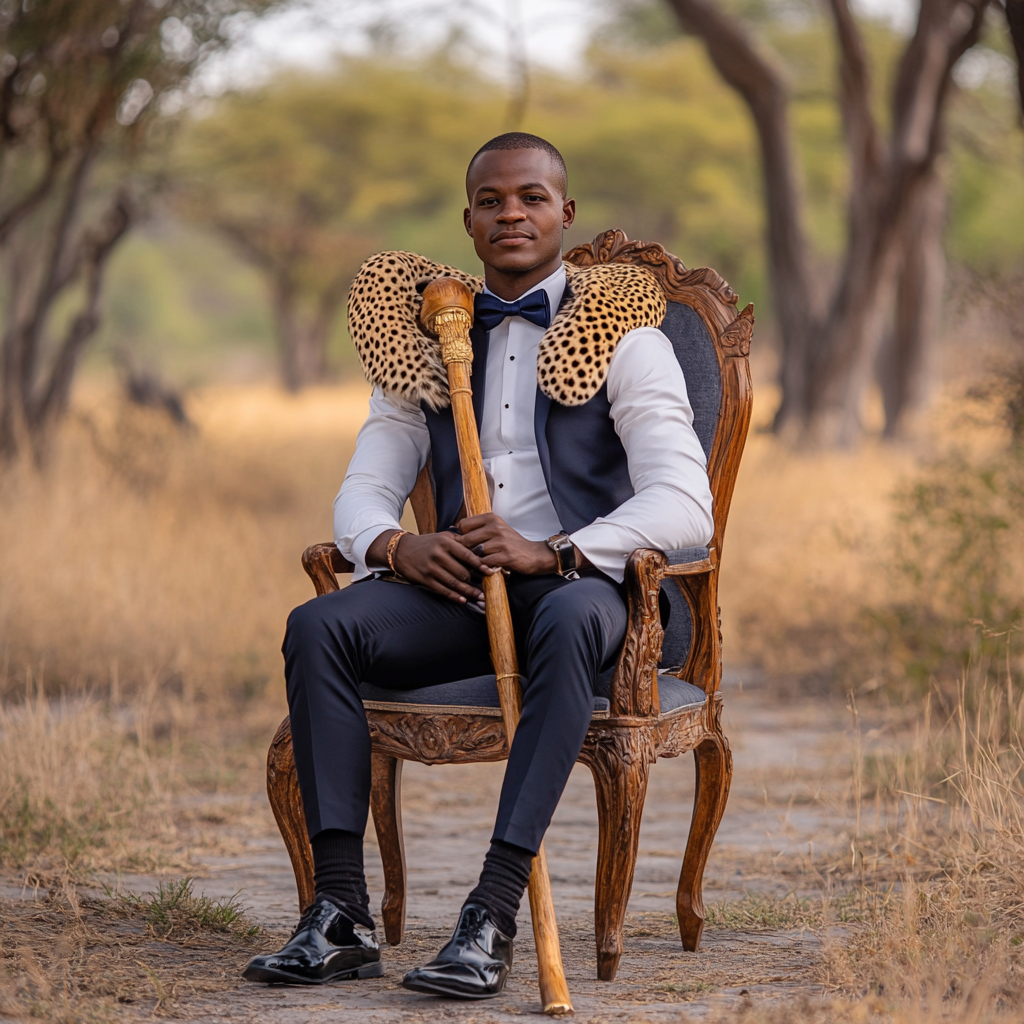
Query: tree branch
96	252
946	29
862	136
248	244
1015	19
52	283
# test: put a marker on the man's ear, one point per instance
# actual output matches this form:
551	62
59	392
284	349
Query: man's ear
465	220
568	213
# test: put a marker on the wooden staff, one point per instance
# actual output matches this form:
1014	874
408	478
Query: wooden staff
448	312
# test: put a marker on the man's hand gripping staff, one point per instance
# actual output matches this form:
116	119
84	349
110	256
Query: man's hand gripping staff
448	312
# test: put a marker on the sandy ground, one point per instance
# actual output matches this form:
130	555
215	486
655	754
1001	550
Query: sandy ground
791	763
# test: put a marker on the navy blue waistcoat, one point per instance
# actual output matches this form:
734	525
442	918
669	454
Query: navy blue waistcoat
582	457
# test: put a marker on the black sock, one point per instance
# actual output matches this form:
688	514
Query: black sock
502	883
338	872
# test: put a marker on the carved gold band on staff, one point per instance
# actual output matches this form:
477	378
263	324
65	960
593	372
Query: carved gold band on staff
448	312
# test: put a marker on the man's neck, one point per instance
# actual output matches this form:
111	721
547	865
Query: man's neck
509	286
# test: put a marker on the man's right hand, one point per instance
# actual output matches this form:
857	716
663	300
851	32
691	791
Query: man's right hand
438	561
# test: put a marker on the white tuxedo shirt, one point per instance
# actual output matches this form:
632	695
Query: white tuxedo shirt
671	504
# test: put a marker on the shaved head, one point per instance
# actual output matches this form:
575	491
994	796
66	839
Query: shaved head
523	140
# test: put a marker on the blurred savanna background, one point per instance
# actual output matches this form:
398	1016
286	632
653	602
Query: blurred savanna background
187	188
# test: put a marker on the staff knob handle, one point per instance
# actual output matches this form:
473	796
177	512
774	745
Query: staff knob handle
448	312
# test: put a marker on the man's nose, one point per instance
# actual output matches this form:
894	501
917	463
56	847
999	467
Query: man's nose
512	212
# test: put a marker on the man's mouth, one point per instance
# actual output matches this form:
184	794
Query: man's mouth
511	239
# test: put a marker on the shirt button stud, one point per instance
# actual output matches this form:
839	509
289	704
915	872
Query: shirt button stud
511	359
501	485
506	405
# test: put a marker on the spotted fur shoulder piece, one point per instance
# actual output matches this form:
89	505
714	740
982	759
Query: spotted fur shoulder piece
384	320
608	301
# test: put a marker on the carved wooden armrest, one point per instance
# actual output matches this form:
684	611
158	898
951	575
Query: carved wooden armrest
322	563
690	568
698	582
635	683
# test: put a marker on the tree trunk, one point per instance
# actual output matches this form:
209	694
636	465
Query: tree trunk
828	358
303	338
904	365
895	192
37	374
761	86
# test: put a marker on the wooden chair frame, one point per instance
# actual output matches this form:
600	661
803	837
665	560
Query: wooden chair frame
620	746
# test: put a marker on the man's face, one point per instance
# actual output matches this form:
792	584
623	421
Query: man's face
516	211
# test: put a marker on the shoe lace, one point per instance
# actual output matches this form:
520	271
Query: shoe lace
304	918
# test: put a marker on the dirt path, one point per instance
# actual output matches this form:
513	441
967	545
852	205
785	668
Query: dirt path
791	761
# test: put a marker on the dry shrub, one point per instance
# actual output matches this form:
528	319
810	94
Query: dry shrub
804	551
959	558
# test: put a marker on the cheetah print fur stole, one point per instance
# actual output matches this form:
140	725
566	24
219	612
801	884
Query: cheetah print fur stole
399	356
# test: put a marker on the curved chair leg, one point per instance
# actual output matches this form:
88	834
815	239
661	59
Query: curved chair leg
386	803
621	788
286	803
714	774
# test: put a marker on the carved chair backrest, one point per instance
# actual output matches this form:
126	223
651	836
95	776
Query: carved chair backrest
712	344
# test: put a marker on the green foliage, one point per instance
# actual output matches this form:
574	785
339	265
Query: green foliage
180	298
646	151
372	153
318	170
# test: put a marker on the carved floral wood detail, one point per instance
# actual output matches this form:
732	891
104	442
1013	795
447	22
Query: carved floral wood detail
619	749
679	283
438	739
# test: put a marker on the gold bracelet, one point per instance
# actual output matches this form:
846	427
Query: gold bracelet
393	547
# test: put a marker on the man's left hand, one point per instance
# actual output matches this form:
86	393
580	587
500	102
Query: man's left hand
491	539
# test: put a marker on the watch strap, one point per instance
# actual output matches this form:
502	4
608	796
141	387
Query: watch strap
565	553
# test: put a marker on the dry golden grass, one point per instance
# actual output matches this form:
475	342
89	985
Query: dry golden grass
147	574
945	860
141	613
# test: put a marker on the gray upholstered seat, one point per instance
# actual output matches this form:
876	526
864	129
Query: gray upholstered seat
481	694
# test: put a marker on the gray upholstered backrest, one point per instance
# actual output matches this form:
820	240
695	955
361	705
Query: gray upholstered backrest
695	350
696	353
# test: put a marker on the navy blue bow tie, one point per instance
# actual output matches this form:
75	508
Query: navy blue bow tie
489	310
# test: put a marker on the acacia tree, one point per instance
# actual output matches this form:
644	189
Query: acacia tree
306	175
883	305
80	81
269	172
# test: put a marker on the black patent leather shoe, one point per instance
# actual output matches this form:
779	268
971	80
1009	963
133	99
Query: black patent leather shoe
325	946
473	965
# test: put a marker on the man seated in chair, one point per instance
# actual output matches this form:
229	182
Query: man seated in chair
621	471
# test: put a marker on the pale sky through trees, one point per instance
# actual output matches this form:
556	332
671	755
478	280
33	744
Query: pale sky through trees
554	32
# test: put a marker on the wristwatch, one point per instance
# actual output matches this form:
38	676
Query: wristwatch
565	553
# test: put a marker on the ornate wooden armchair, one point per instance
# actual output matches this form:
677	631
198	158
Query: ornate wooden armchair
662	699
